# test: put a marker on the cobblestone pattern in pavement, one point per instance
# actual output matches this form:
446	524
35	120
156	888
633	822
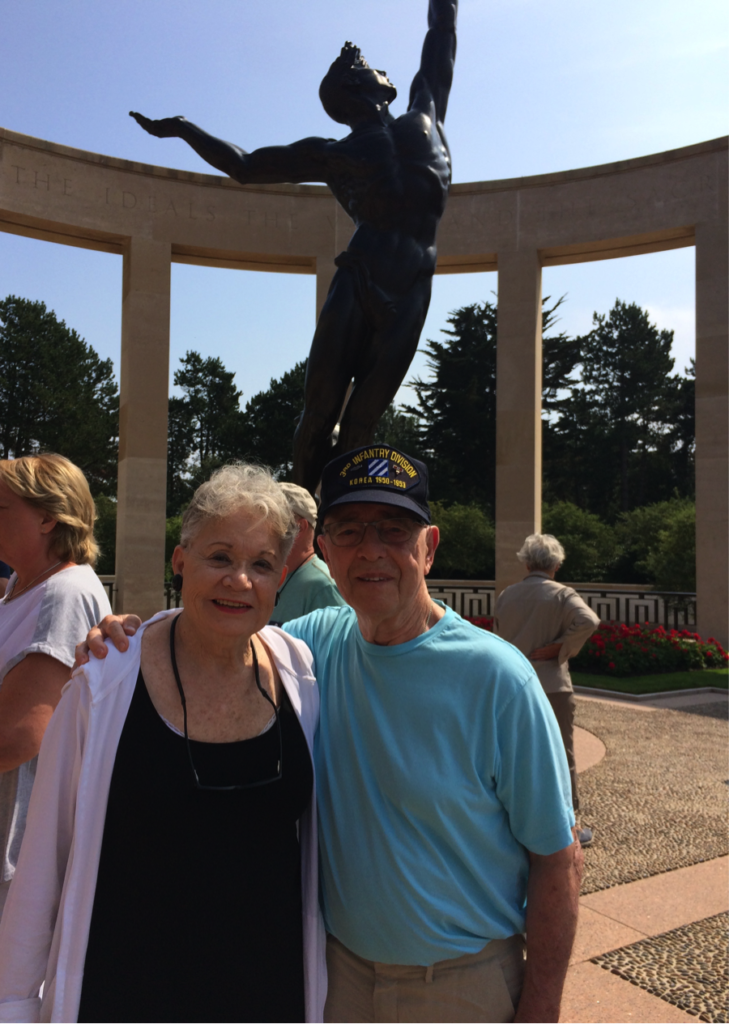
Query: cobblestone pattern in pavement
686	967
658	799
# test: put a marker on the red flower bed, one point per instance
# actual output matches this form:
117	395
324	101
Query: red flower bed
483	621
620	650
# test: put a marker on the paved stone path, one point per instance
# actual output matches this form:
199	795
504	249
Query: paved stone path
651	945
657	800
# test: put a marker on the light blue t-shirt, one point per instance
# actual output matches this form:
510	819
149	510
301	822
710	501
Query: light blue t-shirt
439	764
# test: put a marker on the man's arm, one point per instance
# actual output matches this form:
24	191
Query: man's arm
548	653
579	622
551	922
433	81
301	161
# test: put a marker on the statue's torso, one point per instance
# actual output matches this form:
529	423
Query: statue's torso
393	182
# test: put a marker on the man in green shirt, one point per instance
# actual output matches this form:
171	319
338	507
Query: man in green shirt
308	584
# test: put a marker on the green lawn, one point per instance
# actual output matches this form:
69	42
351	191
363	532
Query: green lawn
655	683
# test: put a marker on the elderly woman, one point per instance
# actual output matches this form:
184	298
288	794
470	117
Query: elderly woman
170	867
47	533
549	623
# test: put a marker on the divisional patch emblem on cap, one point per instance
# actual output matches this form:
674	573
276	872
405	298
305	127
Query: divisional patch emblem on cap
379	467
376	473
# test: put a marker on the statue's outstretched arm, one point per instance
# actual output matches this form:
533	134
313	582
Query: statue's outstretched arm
302	161
433	81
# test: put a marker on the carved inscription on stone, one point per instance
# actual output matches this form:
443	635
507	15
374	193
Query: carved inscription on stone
30	178
145	202
151	203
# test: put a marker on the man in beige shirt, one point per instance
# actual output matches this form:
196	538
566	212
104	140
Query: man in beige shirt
548	623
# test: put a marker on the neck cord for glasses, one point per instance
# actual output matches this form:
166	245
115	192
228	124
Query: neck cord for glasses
182	692
16	593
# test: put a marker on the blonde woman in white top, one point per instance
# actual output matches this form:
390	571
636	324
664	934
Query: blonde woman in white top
47	533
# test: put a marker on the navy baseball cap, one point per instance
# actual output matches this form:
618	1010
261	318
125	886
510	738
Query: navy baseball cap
379	474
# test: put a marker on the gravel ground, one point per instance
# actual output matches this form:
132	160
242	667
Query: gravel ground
657	801
687	967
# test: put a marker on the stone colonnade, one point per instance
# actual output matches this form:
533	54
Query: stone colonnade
154	216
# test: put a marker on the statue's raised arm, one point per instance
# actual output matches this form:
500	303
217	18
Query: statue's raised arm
433	81
301	161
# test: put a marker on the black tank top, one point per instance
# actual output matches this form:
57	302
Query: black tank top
197	912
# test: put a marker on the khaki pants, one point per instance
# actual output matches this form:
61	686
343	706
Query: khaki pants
483	986
563	705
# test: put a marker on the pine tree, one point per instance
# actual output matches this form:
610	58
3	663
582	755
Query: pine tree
269	421
610	448
203	425
457	405
56	394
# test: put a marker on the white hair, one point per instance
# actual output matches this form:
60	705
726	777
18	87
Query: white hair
241	487
541	552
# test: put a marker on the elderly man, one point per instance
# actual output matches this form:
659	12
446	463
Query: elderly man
549	623
445	817
308	584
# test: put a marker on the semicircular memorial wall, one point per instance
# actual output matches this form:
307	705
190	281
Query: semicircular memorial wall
154	216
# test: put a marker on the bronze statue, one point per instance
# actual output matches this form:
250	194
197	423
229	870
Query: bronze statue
391	175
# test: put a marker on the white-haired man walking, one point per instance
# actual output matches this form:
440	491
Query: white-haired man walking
548	623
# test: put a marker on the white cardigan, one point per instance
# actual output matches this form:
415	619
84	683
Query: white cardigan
46	921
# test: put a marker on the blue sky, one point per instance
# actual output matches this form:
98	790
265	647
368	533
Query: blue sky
538	88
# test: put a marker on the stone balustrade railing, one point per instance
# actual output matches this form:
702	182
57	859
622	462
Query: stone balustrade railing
613	602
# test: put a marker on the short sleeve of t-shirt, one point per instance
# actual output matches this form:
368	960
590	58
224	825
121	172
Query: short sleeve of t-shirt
74	601
316	628
535	789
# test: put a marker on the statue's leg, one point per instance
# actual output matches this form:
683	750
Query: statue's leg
340	335
382	371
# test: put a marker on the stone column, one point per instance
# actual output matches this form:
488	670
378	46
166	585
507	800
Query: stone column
712	429
142	484
518	410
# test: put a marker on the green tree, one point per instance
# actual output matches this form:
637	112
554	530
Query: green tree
400	430
211	403
646	536
466	550
204	425
457	408
671	561
269	420
105	534
56	394
457	405
180	448
591	546
173	529
680	439
610	447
